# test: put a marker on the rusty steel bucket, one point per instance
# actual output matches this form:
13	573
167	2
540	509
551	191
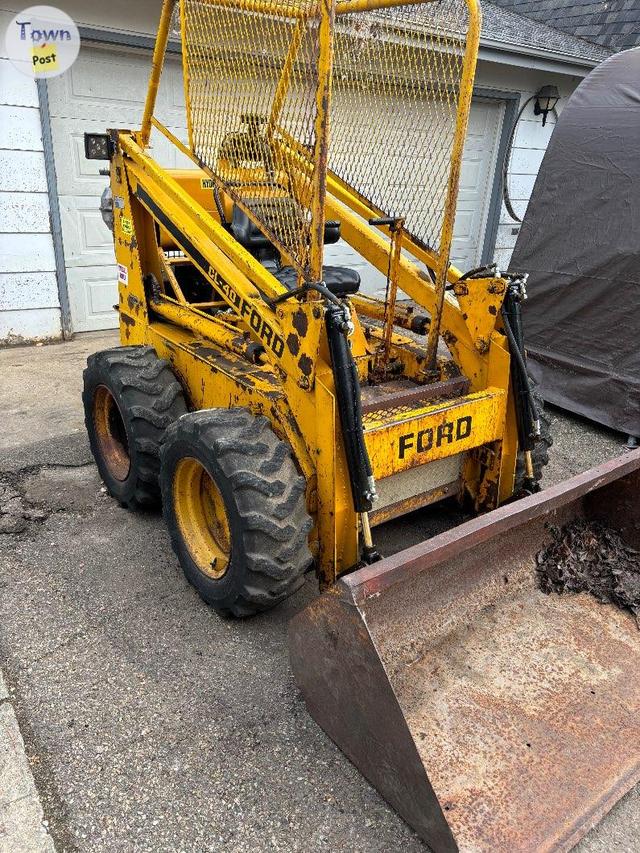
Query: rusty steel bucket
491	716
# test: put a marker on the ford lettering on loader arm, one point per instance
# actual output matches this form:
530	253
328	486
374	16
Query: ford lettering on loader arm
279	414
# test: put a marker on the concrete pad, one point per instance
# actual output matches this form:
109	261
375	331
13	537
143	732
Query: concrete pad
21	827
16	781
21	816
41	387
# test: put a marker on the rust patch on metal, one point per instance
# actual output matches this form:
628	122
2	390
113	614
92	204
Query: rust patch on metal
246	375
126	319
300	323
305	364
527	701
293	424
403	393
511	696
293	343
380	516
111	435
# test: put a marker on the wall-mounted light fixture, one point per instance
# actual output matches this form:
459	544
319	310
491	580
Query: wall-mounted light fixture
546	99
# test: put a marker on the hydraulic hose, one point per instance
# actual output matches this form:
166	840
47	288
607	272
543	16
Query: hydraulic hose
526	410
302	291
480	272
347	388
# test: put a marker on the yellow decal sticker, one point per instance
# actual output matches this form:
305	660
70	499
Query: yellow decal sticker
126	225
207	184
44	57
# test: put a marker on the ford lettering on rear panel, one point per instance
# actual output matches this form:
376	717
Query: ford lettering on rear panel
424	440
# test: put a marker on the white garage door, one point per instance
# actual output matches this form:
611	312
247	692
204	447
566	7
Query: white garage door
102	89
107	88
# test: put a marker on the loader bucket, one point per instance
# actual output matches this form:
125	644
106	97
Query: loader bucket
491	716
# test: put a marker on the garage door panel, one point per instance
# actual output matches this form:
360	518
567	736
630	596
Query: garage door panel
93	292
471	176
476	180
76	175
104	81
99	80
110	87
175	89
480	119
465	221
166	153
105	88
87	240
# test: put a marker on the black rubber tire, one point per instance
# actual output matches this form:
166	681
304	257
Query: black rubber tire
540	453
149	399
264	497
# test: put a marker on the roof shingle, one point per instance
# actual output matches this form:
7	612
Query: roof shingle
612	23
509	28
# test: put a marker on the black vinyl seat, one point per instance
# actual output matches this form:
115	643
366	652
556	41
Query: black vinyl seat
248	234
342	281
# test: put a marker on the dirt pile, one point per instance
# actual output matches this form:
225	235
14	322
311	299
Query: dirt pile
587	556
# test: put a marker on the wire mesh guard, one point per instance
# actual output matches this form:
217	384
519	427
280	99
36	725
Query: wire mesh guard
252	80
252	77
396	86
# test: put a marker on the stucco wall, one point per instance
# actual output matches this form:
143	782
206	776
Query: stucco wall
29	305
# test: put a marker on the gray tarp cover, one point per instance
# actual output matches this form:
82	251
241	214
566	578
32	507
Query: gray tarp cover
580	242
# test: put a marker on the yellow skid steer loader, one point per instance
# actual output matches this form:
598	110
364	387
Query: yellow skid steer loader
279	414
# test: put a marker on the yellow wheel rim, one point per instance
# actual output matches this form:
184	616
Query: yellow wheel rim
202	517
111	434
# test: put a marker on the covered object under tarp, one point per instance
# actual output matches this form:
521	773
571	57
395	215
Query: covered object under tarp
580	242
